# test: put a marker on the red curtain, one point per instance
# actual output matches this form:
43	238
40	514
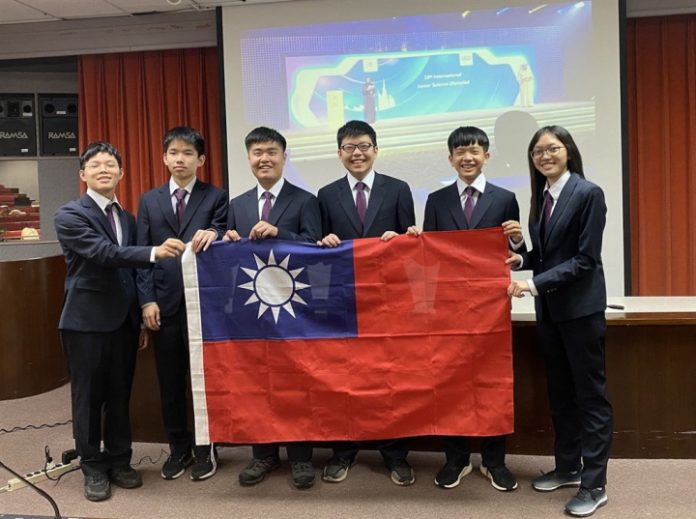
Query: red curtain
661	62
131	99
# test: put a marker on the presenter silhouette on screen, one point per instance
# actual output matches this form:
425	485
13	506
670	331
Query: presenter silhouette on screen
370	112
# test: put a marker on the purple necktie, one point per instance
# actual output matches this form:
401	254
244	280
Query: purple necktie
180	195
110	216
361	201
548	206
469	204
267	206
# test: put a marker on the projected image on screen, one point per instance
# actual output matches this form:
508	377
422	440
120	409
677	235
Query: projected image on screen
320	76
327	90
415	78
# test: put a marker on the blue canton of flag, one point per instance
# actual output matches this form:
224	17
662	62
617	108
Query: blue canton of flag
272	289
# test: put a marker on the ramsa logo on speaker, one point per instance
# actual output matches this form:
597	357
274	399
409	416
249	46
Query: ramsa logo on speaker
62	135
13	135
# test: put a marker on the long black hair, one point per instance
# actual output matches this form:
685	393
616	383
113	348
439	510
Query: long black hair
538	181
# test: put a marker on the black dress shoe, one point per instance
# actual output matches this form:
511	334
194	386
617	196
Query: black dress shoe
125	477
97	486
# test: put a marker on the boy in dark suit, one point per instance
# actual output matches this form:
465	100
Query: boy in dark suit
473	203
100	319
190	210
274	208
364	204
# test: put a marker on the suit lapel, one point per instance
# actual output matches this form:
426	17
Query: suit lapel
164	200
125	228
374	203
282	203
454	203
561	205
483	203
251	207
345	198
95	212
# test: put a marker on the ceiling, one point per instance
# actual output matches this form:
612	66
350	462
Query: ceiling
24	11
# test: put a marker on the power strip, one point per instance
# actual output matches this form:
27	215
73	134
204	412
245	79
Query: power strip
40	475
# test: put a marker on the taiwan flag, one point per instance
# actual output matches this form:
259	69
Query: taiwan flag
369	340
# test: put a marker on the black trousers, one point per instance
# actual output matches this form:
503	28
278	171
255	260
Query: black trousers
577	386
101	367
392	450
297	451
457	450
172	361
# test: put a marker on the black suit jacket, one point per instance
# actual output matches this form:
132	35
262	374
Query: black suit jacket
390	208
295	213
566	260
443	209
100	289
206	209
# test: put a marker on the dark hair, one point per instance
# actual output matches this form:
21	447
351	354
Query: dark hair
538	181
356	129
467	136
263	134
98	147
186	134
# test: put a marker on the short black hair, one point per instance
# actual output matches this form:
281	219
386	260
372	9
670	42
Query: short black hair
186	134
356	129
467	136
96	147
264	134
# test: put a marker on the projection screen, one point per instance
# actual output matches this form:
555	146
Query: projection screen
508	67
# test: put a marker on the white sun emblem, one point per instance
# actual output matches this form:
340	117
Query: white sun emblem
273	286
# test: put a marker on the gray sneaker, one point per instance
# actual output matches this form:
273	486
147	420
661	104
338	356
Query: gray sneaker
257	470
302	474
556	479
336	469
402	474
587	501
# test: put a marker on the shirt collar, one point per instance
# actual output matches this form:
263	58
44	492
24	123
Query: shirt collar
368	180
173	186
275	189
557	186
101	200
479	184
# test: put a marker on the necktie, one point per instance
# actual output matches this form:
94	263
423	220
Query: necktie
469	204
267	206
548	206
110	217
361	201
180	195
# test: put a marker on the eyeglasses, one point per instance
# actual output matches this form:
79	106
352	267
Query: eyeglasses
551	150
350	148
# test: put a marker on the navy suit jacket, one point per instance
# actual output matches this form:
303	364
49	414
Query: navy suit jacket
295	213
390	208
443	209
100	289
566	260
206	209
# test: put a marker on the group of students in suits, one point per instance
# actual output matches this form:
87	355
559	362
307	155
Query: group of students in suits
121	274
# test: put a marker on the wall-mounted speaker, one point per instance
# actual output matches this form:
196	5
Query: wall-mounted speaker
17	125
58	124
